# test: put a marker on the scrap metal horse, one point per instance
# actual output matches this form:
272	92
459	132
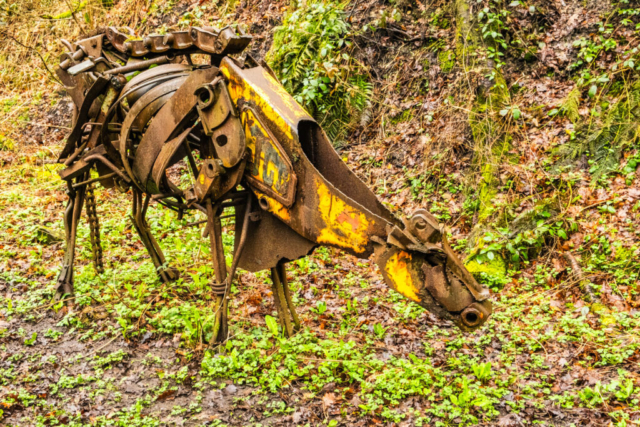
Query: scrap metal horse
145	111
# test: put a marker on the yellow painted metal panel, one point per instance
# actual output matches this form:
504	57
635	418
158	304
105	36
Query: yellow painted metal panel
344	226
397	268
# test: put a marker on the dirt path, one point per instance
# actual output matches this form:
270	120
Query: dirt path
70	379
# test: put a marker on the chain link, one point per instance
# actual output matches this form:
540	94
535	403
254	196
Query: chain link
94	227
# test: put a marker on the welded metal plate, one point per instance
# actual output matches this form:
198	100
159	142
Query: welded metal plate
269	168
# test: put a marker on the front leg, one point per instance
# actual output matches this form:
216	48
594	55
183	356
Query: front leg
282	296
220	288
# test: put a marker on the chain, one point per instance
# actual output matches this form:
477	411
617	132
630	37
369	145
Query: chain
94	226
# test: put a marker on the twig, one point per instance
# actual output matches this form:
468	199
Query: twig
102	347
55	79
578	275
43	125
53	303
599	202
73	14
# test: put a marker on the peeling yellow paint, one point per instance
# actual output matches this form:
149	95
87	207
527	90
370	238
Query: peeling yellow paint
293	106
397	268
344	226
267	163
278	209
286	117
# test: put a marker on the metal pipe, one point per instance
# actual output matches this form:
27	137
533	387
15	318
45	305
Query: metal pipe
108	164
140	65
73	156
75	56
156	197
243	238
90	181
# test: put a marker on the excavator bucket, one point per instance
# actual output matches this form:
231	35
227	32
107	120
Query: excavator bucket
339	210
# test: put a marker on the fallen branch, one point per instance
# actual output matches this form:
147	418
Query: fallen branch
578	275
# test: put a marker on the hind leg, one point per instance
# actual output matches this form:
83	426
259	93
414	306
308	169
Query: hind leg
144	231
71	219
94	227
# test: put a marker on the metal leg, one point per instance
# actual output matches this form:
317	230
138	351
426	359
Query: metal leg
141	226
224	277
94	226
71	219
221	327
282	270
282	296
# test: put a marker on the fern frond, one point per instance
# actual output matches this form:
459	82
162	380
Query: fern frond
571	105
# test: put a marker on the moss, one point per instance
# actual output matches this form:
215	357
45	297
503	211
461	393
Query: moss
492	144
67	14
605	141
468	37
492	273
606	317
447	60
406	116
491	141
487	191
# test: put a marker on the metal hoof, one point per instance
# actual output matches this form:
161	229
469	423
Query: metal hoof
169	274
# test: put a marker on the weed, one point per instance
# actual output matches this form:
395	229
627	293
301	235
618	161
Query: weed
310	55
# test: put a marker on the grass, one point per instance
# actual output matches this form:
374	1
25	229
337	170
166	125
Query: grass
374	350
365	354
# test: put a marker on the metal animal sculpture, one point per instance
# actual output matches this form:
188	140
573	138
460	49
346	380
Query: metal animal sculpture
144	107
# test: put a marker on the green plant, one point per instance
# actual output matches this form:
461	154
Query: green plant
592	397
379	330
310	54
31	341
482	371
272	324
321	307
624	390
